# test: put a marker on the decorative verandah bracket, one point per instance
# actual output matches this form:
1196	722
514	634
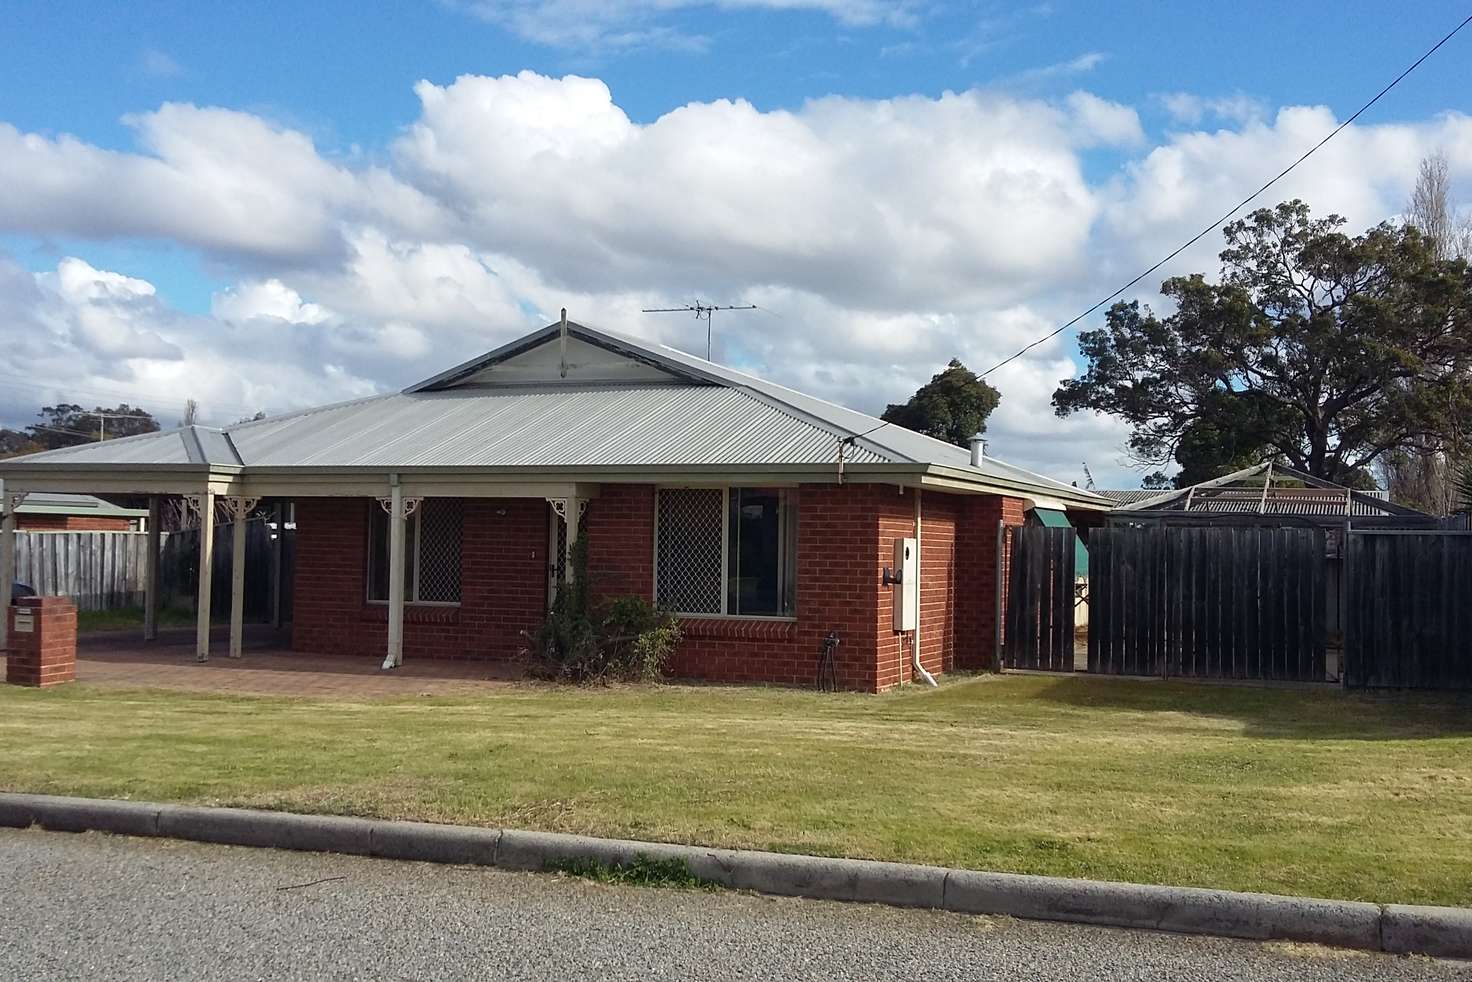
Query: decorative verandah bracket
571	511
239	508
410	506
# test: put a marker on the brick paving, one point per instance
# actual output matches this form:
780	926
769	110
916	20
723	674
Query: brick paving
267	667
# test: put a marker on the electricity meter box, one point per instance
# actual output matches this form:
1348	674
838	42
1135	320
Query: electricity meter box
906	585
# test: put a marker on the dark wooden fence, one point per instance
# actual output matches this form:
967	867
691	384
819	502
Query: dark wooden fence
1245	603
1040	599
1408	610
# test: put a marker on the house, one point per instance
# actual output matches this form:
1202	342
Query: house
763	517
41	512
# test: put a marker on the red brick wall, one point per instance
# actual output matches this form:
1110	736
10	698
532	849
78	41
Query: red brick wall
942	602
503	584
845	539
977	576
838	568
45	655
619	524
70	523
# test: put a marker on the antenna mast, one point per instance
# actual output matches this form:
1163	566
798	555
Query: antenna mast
700	310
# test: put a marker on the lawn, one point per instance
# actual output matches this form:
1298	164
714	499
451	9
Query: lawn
1321	793
124	618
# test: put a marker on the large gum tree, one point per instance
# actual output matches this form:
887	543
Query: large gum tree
1322	349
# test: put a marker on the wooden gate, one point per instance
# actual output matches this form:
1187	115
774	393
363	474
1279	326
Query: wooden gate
1225	602
1040	599
1408	610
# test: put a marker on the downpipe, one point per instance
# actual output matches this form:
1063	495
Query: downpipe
917	669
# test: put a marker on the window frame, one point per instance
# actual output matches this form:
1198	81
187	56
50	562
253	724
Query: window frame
787	540
418	540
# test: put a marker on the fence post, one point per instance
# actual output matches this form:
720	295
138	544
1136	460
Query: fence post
150	572
998	611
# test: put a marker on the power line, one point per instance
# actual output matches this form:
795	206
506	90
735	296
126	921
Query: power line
98	392
1238	206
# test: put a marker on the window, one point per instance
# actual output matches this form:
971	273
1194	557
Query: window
431	553
729	551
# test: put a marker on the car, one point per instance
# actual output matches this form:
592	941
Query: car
19	589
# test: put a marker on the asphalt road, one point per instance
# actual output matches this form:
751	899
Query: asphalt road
97	907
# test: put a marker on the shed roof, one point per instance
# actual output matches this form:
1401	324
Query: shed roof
1261	490
57	503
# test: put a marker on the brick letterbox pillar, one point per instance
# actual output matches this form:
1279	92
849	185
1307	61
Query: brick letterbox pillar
43	642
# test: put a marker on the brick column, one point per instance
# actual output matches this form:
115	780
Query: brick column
43	642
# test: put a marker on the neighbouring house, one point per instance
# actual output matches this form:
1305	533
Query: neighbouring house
436	521
42	512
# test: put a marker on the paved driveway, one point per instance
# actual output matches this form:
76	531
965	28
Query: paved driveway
96	907
269	668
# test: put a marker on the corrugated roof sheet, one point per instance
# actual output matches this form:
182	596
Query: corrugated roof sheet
164	447
59	503
1279	501
1128	496
706	415
550	426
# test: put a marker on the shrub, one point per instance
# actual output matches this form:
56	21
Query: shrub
625	639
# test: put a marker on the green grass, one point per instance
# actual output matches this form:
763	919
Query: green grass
123	618
642	871
1301	792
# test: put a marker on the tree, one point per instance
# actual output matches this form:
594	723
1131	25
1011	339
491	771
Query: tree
13	443
952	406
68	424
1425	475
1321	349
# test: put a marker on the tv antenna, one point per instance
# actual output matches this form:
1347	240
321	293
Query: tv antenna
699	310
1088	476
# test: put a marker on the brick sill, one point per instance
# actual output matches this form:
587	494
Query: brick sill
739	628
415	613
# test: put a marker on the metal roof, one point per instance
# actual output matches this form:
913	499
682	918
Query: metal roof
56	503
543	427
1128	496
688	412
1252	491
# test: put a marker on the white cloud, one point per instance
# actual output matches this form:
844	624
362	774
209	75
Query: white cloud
907	201
879	237
159	64
1191	109
271	299
214	178
1108	123
622	24
1080	65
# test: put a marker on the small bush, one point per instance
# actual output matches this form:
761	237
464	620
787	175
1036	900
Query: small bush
624	640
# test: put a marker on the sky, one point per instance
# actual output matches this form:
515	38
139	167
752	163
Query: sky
267	206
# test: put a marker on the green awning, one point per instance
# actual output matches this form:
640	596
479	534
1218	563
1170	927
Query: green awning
1058	520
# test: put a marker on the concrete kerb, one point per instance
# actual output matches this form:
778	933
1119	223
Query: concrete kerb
1399	929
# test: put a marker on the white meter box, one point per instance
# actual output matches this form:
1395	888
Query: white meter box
906	588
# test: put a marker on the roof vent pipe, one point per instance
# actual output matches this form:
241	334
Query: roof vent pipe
562	345
978	450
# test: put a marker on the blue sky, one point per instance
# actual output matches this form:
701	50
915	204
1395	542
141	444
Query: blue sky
1149	118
